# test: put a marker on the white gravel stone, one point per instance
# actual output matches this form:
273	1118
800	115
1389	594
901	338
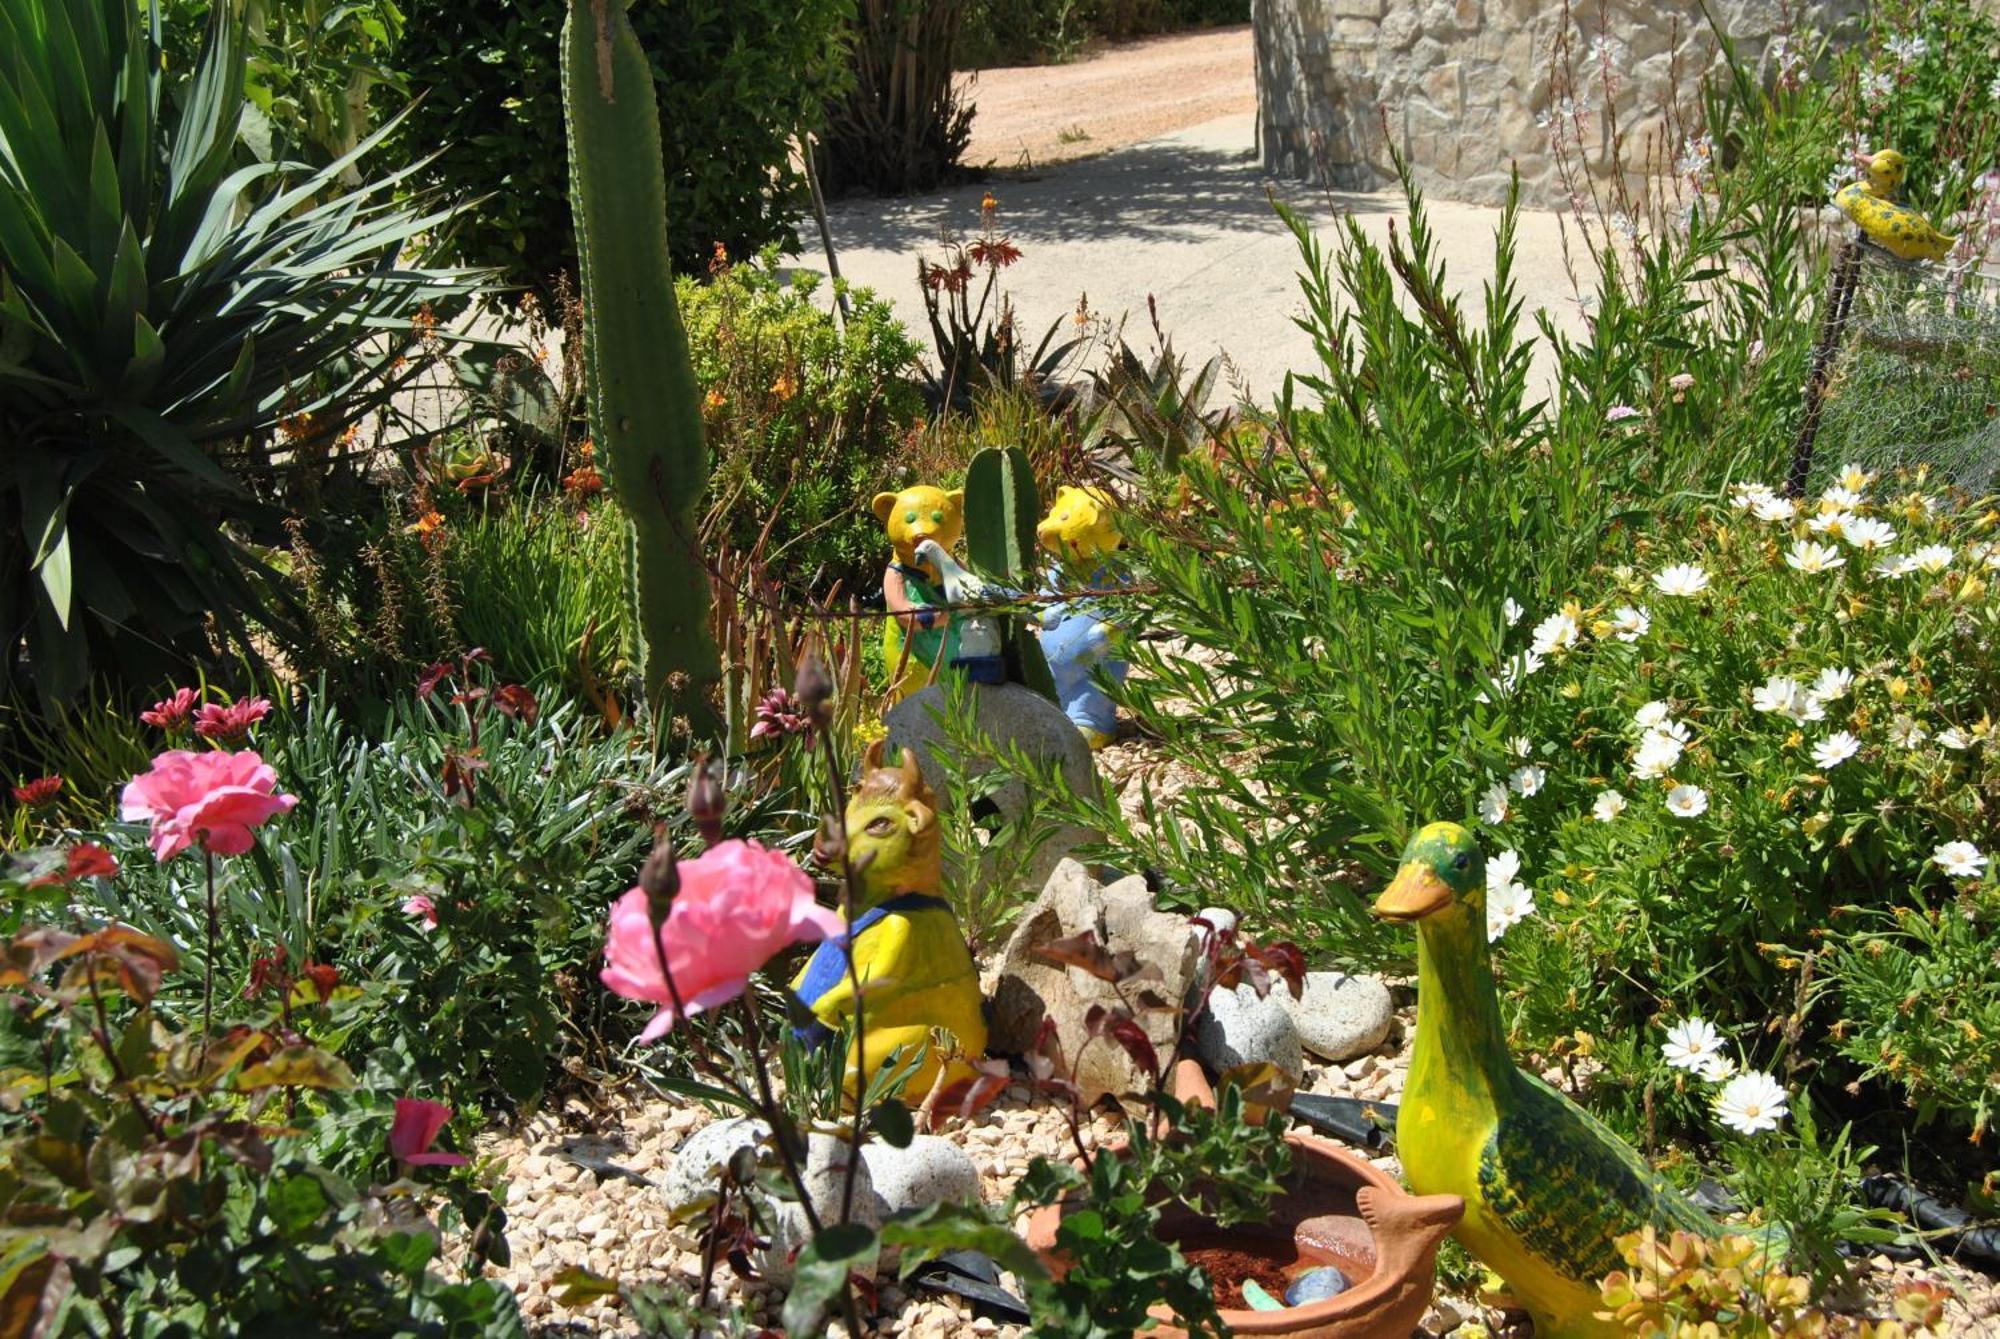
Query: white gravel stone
1339	1016
1237	1028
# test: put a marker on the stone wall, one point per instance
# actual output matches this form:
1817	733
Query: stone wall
1467	89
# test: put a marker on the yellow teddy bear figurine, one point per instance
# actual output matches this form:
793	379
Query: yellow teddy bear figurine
1077	641
908	951
910	588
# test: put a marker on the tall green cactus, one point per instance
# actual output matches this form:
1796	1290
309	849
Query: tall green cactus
645	407
1001	509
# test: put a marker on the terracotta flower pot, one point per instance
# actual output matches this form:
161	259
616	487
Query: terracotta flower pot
1336	1209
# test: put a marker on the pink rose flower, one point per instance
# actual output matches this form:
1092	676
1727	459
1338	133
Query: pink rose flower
739	905
214	799
421	907
415	1129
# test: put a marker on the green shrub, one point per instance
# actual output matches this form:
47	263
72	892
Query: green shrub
1033	32
1784	868
1339	569
158	1184
520	826
185	350
805	415
736	80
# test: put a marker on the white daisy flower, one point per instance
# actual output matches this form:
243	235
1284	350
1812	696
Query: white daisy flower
1961	860
1681	579
1954	738
1833	523
1685	801
1866	533
1494	805
1508	901
1832	684
1806	556
1778	694
1750	1103
1774	509
1511	611
1932	558
1894	566
1608	805
1527	781
1691	1042
1630	623
1655	757
1522	746
1839	498
1745	497
1557	632
1834	750
1717	1067
1906	732
1652	716
1855	479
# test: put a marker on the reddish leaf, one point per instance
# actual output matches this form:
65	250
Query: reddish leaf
512	699
1083	952
1123	1029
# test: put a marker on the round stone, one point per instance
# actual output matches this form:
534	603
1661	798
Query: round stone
1339	1016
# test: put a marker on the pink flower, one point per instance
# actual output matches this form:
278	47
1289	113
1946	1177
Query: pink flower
171	714
415	1129
778	716
423	909
213	798
738	905
1618	413
231	724
39	792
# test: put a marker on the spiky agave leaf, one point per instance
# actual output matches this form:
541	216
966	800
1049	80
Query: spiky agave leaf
165	305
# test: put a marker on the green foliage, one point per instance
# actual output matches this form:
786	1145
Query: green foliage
519	829
156	1184
806	415
1345	564
1035	32
166	315
1816	712
645	408
736	79
1218	1165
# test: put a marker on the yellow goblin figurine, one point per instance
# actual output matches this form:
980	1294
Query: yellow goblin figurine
915	969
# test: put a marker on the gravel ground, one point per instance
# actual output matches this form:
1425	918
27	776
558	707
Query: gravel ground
1033	115
561	1213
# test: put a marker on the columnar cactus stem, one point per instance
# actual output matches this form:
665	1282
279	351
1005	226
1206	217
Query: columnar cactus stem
645	406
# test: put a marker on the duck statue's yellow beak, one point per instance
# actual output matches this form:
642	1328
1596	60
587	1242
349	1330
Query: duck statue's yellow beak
1415	892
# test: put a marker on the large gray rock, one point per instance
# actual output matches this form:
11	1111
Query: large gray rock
932	1170
1238	1028
689	1184
1339	1016
825	1178
1027	989
1013	718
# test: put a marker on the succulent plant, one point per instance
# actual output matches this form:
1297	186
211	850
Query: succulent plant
645	406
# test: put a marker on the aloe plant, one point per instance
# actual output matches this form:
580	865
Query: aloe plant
176	321
645	406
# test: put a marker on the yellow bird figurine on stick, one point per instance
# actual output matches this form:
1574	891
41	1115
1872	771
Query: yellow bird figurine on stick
1871	203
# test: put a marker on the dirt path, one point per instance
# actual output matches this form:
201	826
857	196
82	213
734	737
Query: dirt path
1030	116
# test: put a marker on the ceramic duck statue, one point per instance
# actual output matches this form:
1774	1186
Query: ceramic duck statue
1548	1189
978	650
908	950
1871	203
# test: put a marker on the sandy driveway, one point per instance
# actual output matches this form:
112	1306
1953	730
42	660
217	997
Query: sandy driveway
1031	116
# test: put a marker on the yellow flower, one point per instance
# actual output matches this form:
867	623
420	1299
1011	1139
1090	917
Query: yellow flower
715	399
784	387
426	524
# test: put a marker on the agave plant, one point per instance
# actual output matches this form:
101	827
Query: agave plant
180	326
